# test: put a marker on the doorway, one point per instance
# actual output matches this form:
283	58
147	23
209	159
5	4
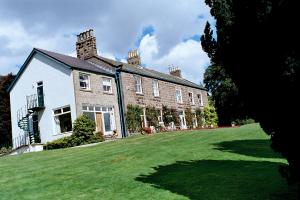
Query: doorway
99	124
182	120
40	94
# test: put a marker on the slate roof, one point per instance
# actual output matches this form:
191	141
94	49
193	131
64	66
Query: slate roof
85	65
77	63
144	71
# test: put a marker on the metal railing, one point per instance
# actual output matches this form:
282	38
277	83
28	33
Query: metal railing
32	101
20	141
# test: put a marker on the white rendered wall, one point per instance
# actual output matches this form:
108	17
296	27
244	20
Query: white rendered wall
58	92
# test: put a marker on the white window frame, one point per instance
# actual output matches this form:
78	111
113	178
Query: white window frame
138	84
61	113
155	87
200	99
102	110
180	92
191	101
87	82
106	82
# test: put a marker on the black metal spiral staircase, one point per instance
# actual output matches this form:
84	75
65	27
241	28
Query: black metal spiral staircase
34	103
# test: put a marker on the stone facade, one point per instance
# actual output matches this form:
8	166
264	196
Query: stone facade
86	50
167	94
86	45
96	95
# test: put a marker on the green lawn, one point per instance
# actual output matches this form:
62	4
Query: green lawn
229	163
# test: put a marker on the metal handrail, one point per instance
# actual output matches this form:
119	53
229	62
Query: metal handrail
21	140
32	101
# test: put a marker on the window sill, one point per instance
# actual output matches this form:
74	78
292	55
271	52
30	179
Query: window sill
158	97
85	90
140	94
108	93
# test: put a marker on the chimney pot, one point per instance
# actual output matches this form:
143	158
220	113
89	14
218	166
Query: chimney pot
86	45
134	57
175	71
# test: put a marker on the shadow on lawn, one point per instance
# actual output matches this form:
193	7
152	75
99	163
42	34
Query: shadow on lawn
256	148
220	179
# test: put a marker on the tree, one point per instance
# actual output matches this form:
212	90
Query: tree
210	116
5	118
224	94
200	117
208	43
258	47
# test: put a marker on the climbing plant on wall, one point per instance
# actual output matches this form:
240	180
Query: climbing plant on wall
133	118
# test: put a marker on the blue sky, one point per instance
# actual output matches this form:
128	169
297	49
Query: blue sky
165	32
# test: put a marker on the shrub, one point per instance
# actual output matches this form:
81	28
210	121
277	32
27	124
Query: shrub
60	143
84	127
152	115
94	139
71	141
4	150
189	117
245	121
175	116
83	133
167	115
133	118
210	116
200	117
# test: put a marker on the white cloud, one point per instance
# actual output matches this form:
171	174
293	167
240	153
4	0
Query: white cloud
107	55
148	48
17	43
118	25
188	56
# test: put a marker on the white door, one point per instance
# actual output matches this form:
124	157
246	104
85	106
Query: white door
108	122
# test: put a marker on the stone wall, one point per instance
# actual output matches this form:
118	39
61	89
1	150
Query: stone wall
166	94
96	95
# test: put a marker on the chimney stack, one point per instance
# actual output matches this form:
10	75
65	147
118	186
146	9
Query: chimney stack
175	71
134	57
86	45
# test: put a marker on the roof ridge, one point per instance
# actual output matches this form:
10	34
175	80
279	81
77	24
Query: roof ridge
39	49
116	63
180	78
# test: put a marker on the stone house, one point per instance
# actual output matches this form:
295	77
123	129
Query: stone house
51	90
